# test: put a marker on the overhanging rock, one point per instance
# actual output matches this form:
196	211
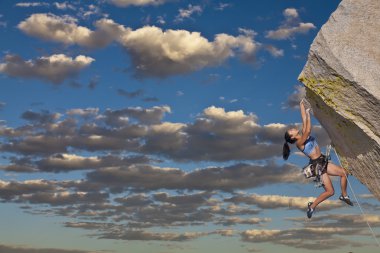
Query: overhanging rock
342	79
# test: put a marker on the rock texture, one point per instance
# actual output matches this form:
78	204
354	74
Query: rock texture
342	79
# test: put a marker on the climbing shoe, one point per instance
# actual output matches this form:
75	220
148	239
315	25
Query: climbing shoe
346	200
309	210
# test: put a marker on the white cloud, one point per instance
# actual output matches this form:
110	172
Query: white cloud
24	249
126	3
223	6
279	201
55	68
161	20
287	32
291	13
31	4
187	13
274	51
290	27
154	52
63	6
64	29
83	112
158	53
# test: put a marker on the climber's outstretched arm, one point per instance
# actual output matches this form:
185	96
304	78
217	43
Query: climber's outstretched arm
306	122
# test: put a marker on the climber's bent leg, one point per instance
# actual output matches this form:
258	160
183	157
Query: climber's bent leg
334	170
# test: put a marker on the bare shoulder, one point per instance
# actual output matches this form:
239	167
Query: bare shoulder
300	145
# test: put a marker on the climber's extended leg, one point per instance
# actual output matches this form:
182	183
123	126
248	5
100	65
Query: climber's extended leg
329	191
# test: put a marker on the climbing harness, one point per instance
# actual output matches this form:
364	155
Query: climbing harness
316	167
361	209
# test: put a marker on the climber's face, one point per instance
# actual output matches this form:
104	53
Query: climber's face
293	132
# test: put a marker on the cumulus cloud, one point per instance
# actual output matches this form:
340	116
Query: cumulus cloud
237	220
278	201
64	29
304	238
83	112
353	221
290	26
154	52
69	162
12	189
327	228
239	176
214	135
127	3
158	53
23	249
40	117
55	68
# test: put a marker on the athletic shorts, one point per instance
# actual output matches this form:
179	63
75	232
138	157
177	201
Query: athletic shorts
320	163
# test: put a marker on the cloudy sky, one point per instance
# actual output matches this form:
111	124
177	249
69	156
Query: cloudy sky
157	126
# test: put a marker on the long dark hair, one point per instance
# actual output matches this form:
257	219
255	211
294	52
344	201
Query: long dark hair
286	148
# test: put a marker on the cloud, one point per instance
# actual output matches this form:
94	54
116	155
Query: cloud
70	162
63	6
59	5
30	4
55	68
127	3
154	52
237	220
214	135
239	176
24	249
222	6
304	238
158	53
132	94
152	115
290	26
274	51
278	201
140	235
63	198
353	221
12	189
40	117
87	112
64	29
327	228
293	101
161	20
290	13
187	13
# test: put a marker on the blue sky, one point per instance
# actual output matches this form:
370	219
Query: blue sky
157	126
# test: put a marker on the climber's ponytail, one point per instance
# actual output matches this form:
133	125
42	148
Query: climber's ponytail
285	151
286	148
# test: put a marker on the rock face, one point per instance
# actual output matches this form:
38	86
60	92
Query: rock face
342	79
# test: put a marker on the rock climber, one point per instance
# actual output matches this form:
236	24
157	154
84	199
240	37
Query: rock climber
308	145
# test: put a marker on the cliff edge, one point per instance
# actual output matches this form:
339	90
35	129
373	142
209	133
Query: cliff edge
342	79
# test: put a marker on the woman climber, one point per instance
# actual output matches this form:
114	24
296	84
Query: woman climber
308	145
